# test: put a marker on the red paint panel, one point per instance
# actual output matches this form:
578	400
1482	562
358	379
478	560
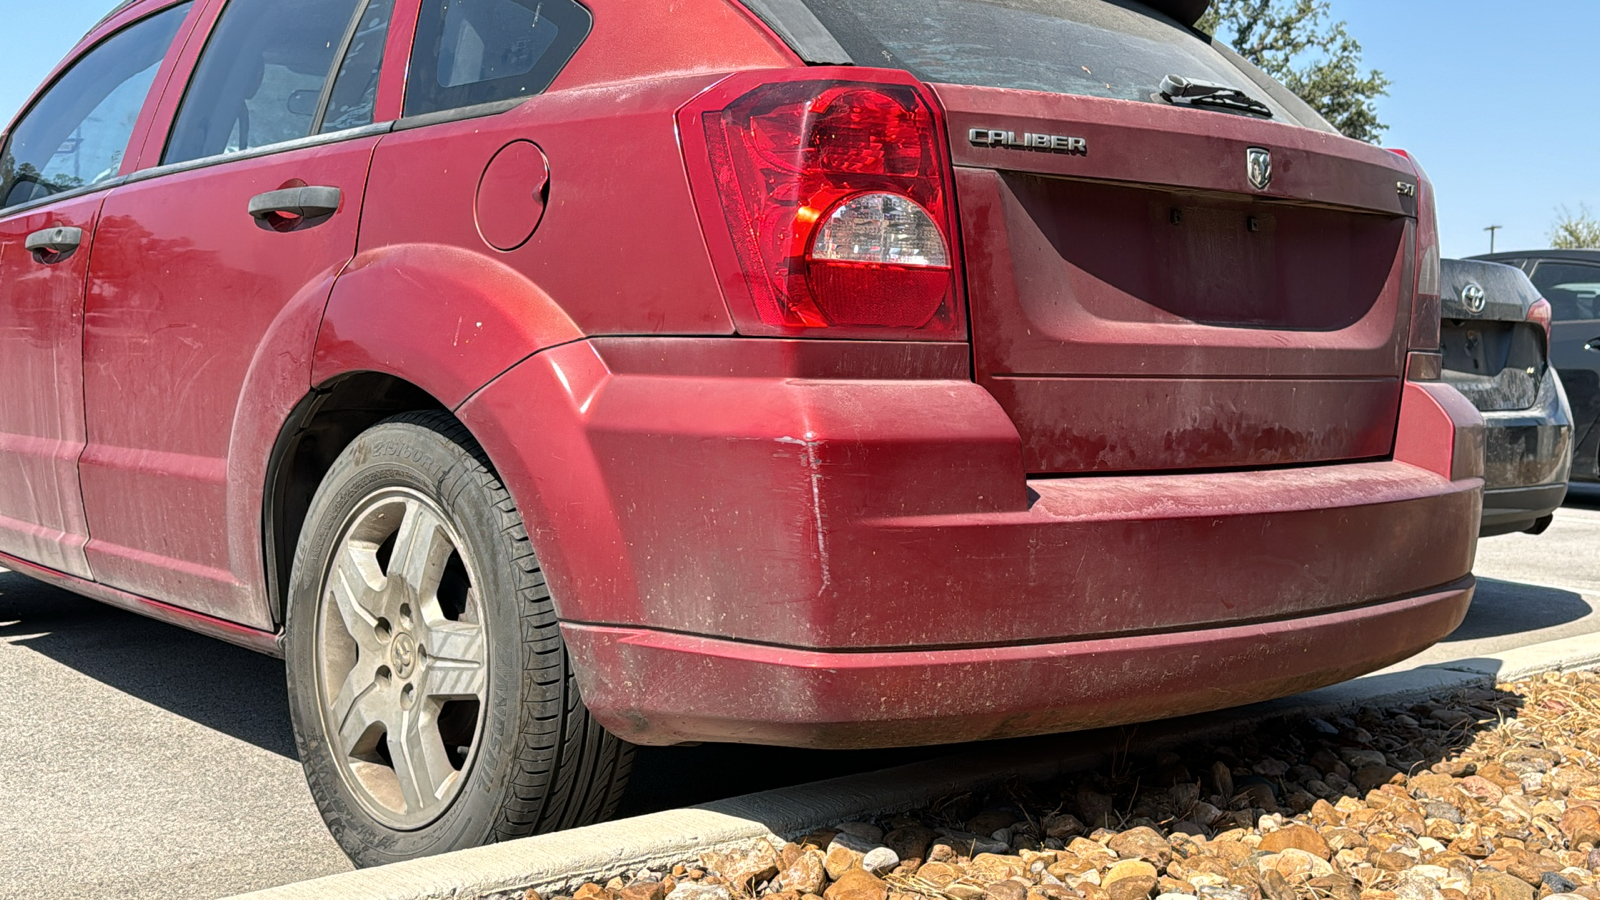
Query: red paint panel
618	248
183	296
633	40
1441	431
1152	257
1082	424
396	60
870	511
583	504
41	408
657	688
445	318
1083	283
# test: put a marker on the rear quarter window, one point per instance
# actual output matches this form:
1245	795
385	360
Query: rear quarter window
472	52
1119	50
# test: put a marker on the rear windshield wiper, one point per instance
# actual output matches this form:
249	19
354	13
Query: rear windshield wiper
1176	88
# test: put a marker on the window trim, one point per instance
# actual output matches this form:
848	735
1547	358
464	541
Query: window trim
143	125
40	203
207	162
457	114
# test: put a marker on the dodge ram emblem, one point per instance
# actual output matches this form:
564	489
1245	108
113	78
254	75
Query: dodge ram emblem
1473	298
1258	166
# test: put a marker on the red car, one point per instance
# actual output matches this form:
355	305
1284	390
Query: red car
545	377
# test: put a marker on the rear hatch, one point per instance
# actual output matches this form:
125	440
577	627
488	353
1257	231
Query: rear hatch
1493	354
1137	302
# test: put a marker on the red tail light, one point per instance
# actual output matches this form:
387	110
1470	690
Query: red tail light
1425	309
1542	315
827	202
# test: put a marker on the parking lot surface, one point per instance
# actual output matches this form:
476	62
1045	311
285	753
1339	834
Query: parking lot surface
140	760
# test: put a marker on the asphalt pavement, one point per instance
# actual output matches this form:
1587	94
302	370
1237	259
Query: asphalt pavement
139	760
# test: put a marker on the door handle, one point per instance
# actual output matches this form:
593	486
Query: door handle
53	245
288	208
1593	346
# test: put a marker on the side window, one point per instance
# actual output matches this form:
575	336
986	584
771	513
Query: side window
469	52
1573	289
353	101
77	133
260	79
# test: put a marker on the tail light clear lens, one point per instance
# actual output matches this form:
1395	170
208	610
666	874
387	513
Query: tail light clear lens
1425	308
827	202
881	229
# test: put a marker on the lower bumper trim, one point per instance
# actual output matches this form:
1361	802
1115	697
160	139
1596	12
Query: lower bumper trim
659	688
1508	510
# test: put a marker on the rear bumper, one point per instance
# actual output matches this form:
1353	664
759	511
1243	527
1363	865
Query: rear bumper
1509	510
830	544
662	688
1527	461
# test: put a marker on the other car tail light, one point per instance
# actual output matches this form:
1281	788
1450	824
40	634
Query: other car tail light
1425	307
831	197
1542	315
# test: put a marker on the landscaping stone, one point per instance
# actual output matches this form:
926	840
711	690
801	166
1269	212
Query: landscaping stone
1491	795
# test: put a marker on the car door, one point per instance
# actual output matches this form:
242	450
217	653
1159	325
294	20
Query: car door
59	160
1573	289
248	215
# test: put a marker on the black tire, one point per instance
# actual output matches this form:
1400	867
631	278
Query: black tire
540	762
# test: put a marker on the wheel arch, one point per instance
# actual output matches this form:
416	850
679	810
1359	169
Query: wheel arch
317	430
447	318
406	327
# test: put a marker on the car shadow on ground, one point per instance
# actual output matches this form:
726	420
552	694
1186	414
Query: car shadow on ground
222	687
241	693
1511	607
1583	496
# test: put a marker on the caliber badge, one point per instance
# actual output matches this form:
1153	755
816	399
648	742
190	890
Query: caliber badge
1258	167
1044	143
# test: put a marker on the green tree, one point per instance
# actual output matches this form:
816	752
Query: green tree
1299	43
1575	230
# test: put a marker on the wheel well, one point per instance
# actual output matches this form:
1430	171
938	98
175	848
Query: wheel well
318	430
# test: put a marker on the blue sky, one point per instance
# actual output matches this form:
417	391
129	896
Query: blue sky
1492	97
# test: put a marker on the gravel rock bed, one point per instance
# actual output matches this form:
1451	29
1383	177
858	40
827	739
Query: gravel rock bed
1490	795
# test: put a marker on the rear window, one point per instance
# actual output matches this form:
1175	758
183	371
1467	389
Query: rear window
1094	48
1573	289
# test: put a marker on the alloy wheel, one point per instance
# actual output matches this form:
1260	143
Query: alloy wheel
402	658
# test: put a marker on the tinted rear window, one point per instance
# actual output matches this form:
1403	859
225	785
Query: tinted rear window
1096	48
1573	289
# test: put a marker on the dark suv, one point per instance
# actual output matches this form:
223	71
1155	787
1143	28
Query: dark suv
1570	280
542	378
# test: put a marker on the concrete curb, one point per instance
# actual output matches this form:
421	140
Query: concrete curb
558	862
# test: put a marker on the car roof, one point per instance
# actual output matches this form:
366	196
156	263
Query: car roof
1580	255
